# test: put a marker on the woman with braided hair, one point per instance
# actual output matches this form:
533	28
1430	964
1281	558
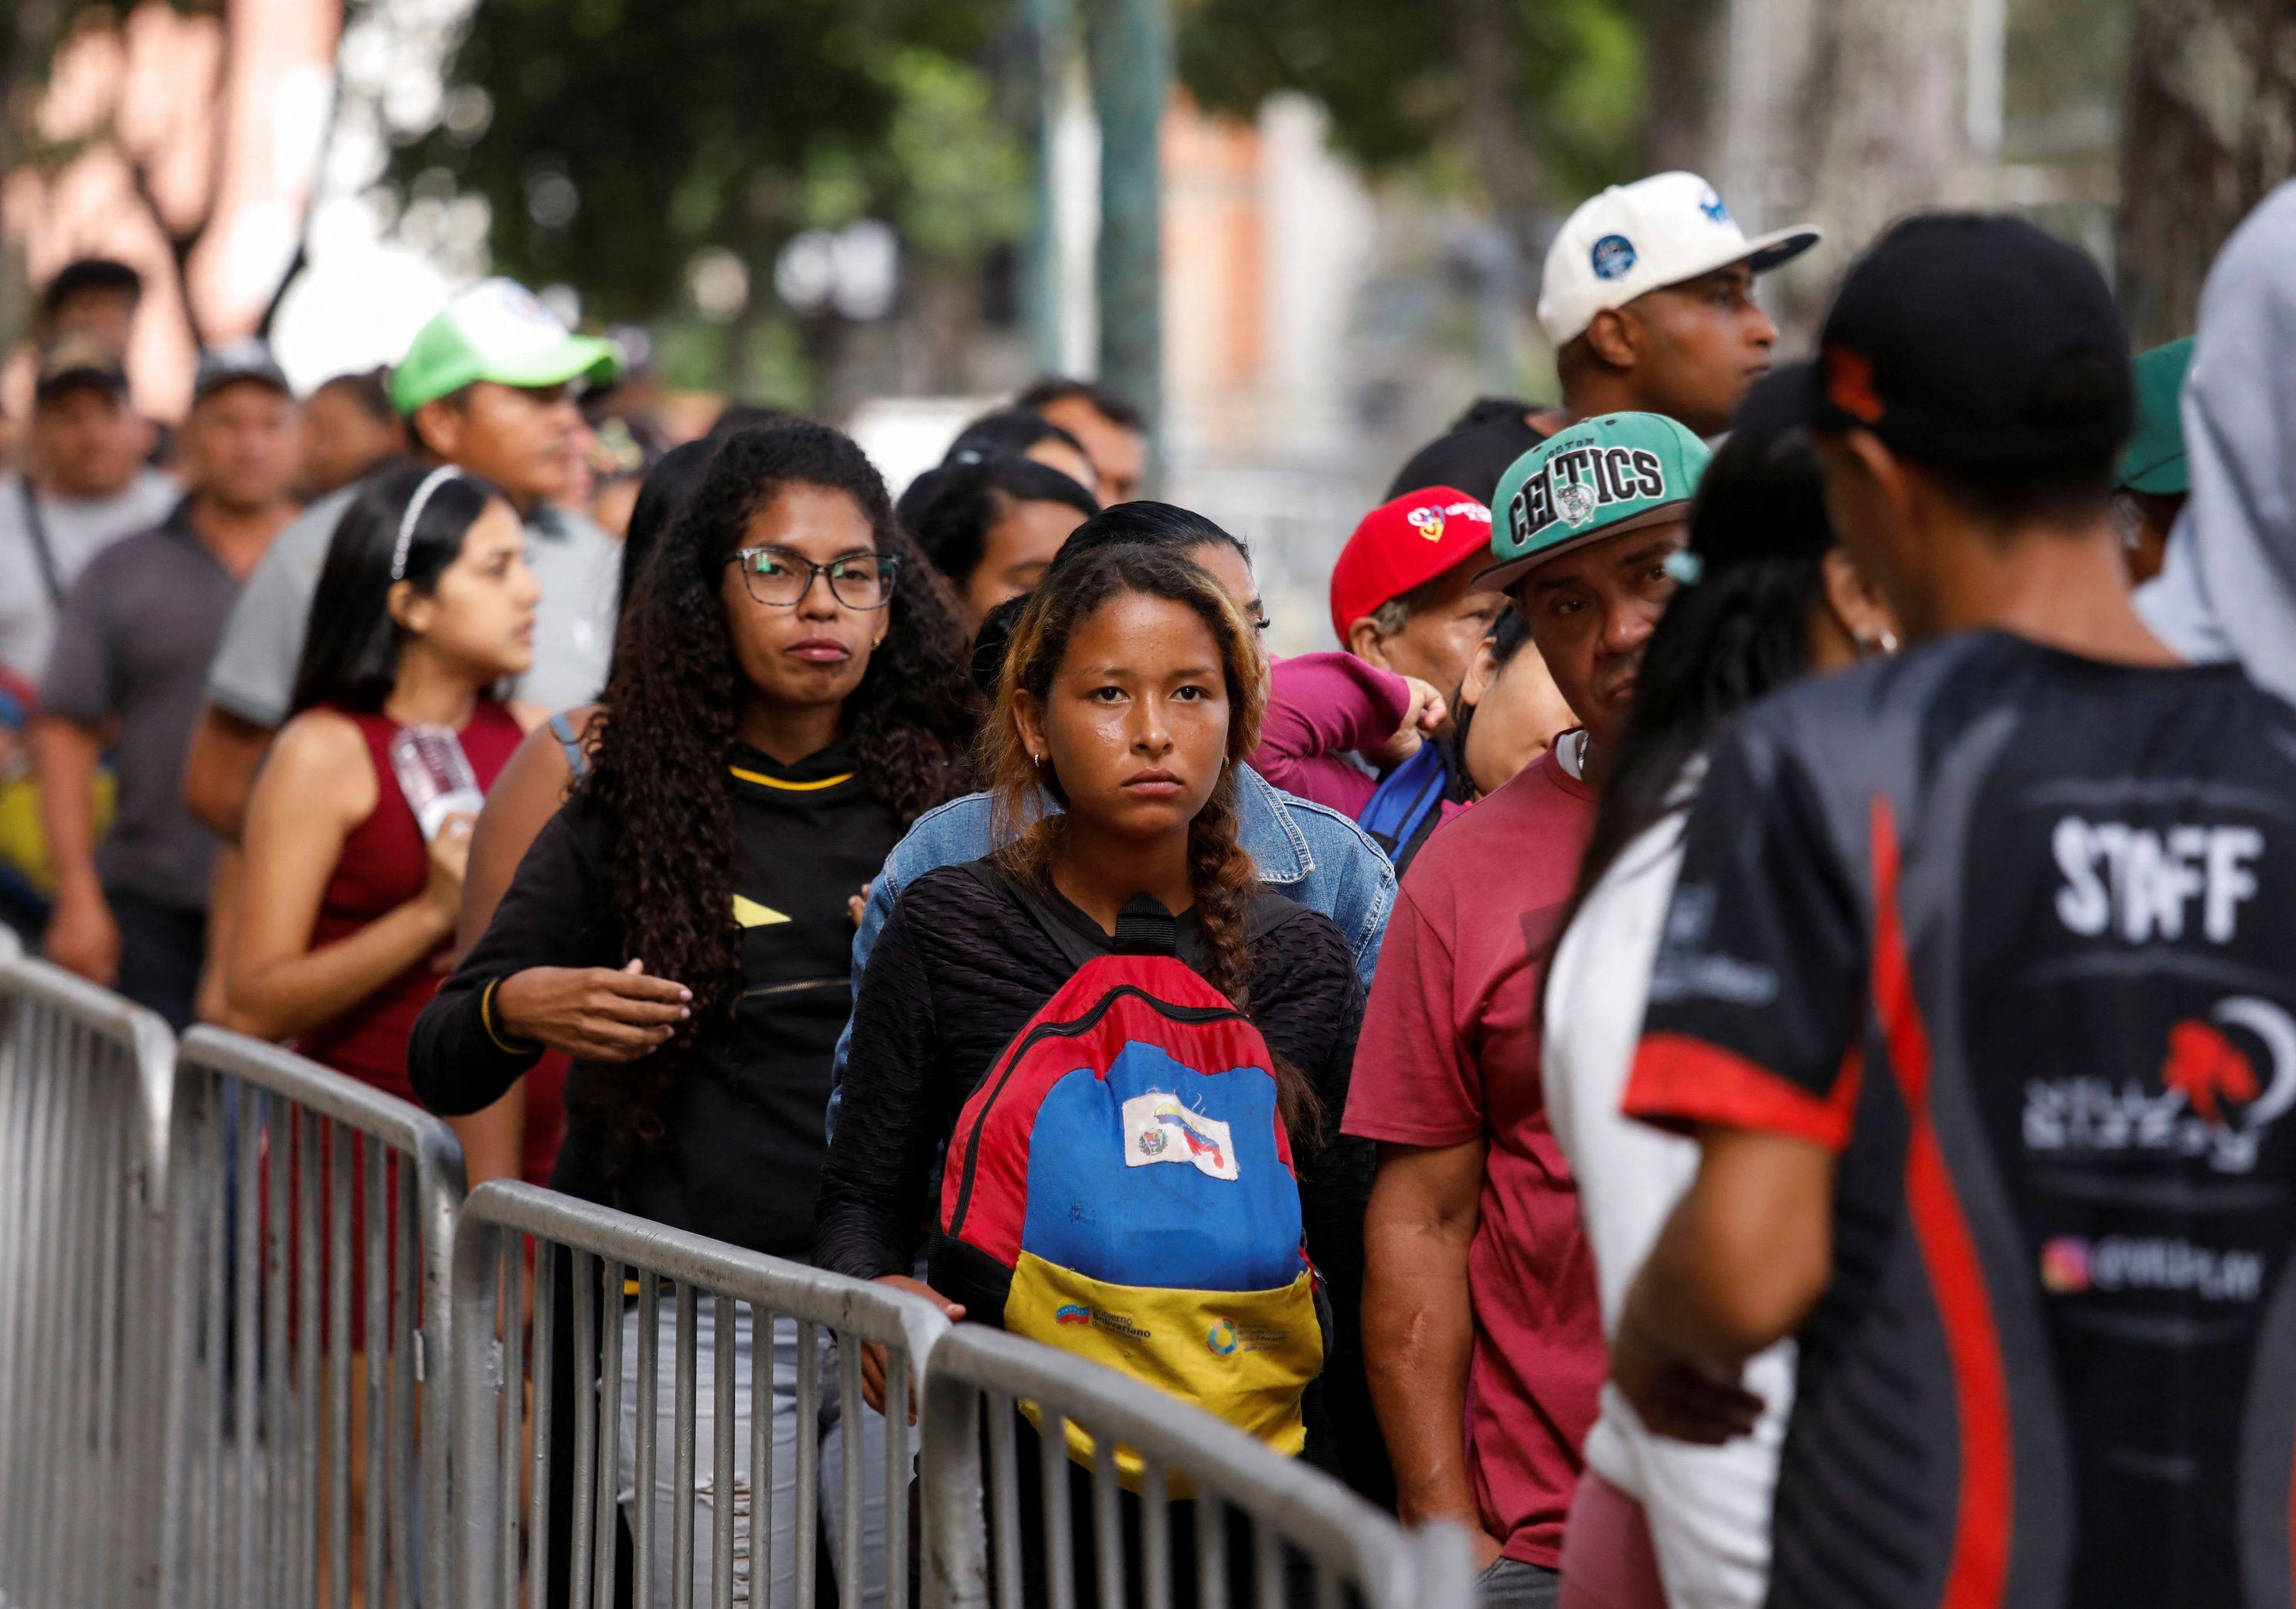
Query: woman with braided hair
789	693
1131	694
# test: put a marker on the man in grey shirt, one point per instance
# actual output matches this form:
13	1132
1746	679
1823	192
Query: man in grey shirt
136	631
484	386
87	487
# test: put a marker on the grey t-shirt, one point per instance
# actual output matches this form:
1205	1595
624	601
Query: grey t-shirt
138	628
253	676
77	529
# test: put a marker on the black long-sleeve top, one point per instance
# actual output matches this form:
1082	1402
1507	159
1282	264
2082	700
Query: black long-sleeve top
743	1150
960	968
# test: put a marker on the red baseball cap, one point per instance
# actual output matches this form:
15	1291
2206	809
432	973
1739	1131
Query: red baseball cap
1405	544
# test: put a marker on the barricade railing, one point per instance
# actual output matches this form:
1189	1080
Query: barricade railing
83	1104
1264	1530
741	1409
314	1237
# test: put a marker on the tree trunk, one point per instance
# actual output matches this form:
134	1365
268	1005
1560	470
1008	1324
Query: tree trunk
2208	127
1686	46
27	39
1129	49
1486	46
1886	125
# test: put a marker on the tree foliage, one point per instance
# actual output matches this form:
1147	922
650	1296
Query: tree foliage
618	137
1394	80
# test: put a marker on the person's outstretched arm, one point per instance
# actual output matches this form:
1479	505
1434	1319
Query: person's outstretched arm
1419	1326
82	935
319	783
1742	1261
1322	706
1417	1089
547	974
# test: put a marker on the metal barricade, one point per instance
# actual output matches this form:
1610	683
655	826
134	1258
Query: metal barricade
313	1233
1266	1528
613	1267
84	1101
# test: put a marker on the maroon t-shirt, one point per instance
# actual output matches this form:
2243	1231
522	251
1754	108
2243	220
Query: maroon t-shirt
1449	1053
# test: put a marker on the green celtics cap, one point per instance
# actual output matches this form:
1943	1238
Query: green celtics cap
1601	478
497	330
2155	459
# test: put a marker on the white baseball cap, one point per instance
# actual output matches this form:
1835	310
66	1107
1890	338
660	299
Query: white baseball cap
1643	236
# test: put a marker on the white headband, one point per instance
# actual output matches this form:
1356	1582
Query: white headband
415	504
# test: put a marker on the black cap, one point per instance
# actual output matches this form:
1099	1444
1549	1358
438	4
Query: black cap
1775	405
1474	454
80	360
228	364
1973	338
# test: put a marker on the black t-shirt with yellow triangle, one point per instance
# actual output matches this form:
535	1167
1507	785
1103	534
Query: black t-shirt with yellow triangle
743	1143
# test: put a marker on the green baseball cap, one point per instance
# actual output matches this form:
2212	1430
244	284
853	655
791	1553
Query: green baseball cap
497	330
1601	478
2155	459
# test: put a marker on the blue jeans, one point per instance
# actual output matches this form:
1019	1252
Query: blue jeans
826	1432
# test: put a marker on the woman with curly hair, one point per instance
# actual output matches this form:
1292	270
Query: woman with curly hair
1131	695
789	692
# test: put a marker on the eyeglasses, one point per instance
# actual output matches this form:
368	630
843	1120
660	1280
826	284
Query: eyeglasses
778	577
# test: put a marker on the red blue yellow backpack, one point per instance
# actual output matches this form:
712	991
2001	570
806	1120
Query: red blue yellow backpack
1120	1186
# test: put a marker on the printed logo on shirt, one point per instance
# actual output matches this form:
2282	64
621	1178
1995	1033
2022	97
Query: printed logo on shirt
2212	1101
1613	257
748	913
2138	883
2073	1267
1687	970
1158	1129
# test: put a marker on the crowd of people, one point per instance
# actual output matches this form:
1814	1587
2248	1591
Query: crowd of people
1729	1038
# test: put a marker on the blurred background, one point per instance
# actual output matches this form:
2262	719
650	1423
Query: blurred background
1304	234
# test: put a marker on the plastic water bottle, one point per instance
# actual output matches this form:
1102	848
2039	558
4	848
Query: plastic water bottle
436	776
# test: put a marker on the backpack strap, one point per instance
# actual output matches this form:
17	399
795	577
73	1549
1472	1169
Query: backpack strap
42	554
1407	798
578	758
1143	927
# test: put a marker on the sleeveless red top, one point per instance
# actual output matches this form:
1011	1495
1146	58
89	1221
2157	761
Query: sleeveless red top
383	864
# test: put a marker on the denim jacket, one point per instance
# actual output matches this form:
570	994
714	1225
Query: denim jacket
1304	851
